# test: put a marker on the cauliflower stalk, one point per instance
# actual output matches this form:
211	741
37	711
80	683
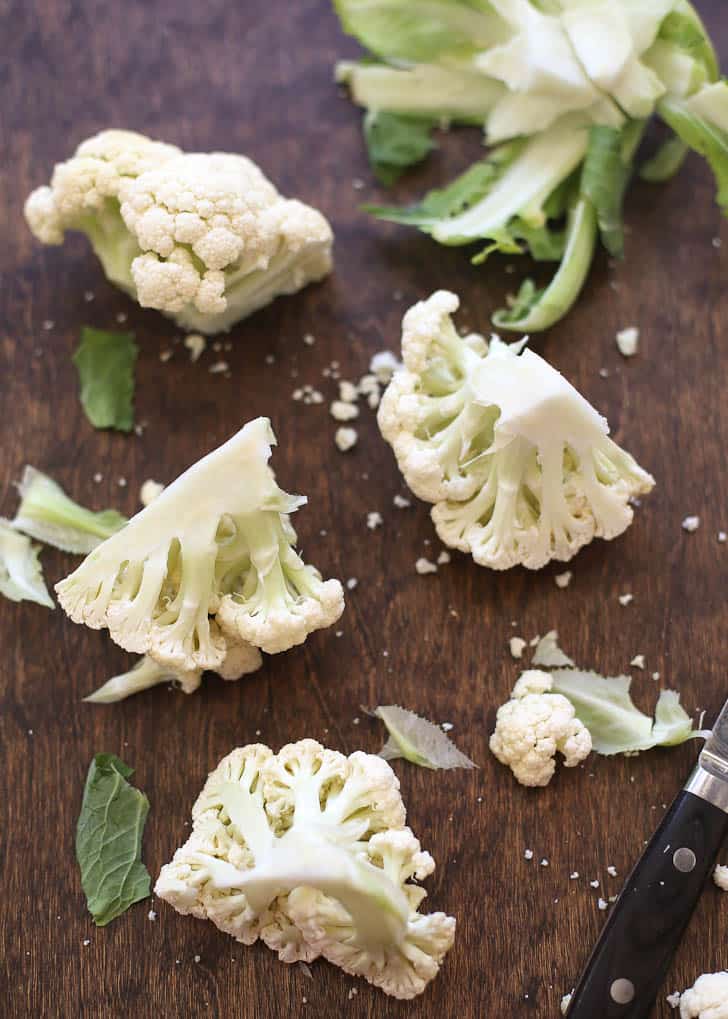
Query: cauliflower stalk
203	237
307	850
208	563
519	465
707	998
533	726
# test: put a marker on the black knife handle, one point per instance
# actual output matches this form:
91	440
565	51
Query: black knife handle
630	960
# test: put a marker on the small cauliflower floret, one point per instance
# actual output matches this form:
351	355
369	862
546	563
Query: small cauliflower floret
212	552
707	998
308	851
533	726
519	465
203	237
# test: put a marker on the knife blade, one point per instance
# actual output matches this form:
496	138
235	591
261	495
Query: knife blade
628	965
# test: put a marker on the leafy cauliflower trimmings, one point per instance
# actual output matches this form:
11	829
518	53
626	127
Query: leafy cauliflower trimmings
307	849
519	465
203	237
209	563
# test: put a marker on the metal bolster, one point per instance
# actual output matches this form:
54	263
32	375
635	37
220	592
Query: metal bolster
709	787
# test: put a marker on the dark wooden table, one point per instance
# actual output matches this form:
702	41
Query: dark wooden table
256	77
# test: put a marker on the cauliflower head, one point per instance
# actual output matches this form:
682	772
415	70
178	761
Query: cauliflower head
207	564
707	998
533	726
307	850
203	237
519	465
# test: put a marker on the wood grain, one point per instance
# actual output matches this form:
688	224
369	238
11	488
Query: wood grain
255	77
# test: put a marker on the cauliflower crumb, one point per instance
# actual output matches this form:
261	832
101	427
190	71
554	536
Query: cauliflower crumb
165	355
348	392
655	676
625	599
98	477
612	871
638	662
594	884
628	341
342	411
602	904
722	537
353	991
149	491
565	1002
48	324
690	524
563	579
374	520
196	344
517	646
673	1000
151	915
544	862
443	558
446	726
574	876
86	942
720	876
401	503
424	566
346	438
218	368
528	854
308	339
121	482
352	583
384	365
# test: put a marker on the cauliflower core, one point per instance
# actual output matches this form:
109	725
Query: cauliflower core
210	563
203	237
519	465
307	849
535	724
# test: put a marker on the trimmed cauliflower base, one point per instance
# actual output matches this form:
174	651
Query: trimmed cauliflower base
307	850
533	726
707	998
204	238
209	563
518	464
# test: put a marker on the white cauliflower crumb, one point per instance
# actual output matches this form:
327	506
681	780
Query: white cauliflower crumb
565	1002
374	520
720	876
151	915
533	726
196	344
594	884
218	367
625	599
563	579
528	854
348	392
602	904
673	999
628	340
149	491
309	339
166	355
352	583
638	662
544	862
517	646
424	566
400	502
574	876
722	537
612	871
446	726
443	559
342	411
346	438
384	365
690	524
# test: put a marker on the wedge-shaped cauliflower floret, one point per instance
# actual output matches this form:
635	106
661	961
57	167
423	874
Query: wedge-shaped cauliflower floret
213	552
519	465
533	726
203	237
308	850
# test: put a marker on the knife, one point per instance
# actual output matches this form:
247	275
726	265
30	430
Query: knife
630	960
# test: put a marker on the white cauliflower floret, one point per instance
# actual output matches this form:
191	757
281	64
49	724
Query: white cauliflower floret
533	726
707	998
308	850
212	552
203	237
519	465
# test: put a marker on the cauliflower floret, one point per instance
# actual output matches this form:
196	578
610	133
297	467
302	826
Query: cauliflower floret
520	467
207	564
203	237
307	849
533	726
707	998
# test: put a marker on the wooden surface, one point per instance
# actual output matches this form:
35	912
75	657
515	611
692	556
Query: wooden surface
255	77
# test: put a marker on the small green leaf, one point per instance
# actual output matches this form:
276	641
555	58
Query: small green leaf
418	740
109	839
396	142
666	161
105	363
